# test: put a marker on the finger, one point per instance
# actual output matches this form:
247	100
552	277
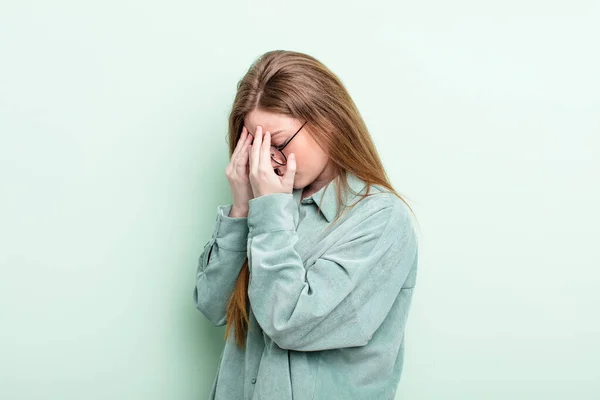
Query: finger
240	142
242	162
236	157
255	150
265	152
290	172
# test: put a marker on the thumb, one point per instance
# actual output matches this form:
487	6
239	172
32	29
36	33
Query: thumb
290	171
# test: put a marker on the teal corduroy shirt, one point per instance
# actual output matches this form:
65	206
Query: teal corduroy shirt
328	310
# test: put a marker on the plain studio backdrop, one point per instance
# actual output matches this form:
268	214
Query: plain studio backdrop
113	123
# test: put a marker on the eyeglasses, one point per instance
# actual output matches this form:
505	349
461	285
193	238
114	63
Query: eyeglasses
276	153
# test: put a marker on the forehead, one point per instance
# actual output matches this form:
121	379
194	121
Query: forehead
269	121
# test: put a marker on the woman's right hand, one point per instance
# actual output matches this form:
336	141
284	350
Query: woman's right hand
237	172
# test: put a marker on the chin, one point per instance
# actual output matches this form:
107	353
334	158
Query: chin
297	184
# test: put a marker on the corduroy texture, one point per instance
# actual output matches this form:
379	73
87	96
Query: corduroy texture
328	308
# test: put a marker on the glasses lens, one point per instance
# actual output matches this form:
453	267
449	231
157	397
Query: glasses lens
277	156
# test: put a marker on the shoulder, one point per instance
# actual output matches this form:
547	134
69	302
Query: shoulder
379	200
381	221
380	213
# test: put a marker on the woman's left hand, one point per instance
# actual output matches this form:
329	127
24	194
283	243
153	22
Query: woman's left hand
263	178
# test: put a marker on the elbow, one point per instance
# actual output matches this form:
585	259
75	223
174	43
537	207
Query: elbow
317	338
285	340
311	342
217	319
214	314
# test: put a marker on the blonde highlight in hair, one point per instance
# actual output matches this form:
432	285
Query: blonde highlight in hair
299	86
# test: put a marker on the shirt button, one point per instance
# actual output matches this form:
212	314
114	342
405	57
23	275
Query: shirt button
253	381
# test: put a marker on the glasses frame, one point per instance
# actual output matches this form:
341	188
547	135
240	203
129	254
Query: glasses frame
281	147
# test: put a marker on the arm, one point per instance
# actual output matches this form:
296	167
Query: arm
219	265
344	296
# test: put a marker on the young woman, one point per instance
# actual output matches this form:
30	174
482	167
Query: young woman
314	264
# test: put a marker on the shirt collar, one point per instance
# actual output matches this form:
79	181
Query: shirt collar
327	195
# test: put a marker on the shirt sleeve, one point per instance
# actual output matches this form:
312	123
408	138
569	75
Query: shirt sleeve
344	296
216	276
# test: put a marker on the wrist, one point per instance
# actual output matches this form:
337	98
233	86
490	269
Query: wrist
238	212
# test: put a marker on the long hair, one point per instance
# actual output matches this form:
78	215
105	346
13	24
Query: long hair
299	86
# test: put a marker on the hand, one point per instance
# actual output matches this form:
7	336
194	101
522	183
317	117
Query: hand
263	178
237	172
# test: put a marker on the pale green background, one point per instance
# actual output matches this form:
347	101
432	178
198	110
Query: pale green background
112	156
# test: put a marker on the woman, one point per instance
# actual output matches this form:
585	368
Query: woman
314	264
